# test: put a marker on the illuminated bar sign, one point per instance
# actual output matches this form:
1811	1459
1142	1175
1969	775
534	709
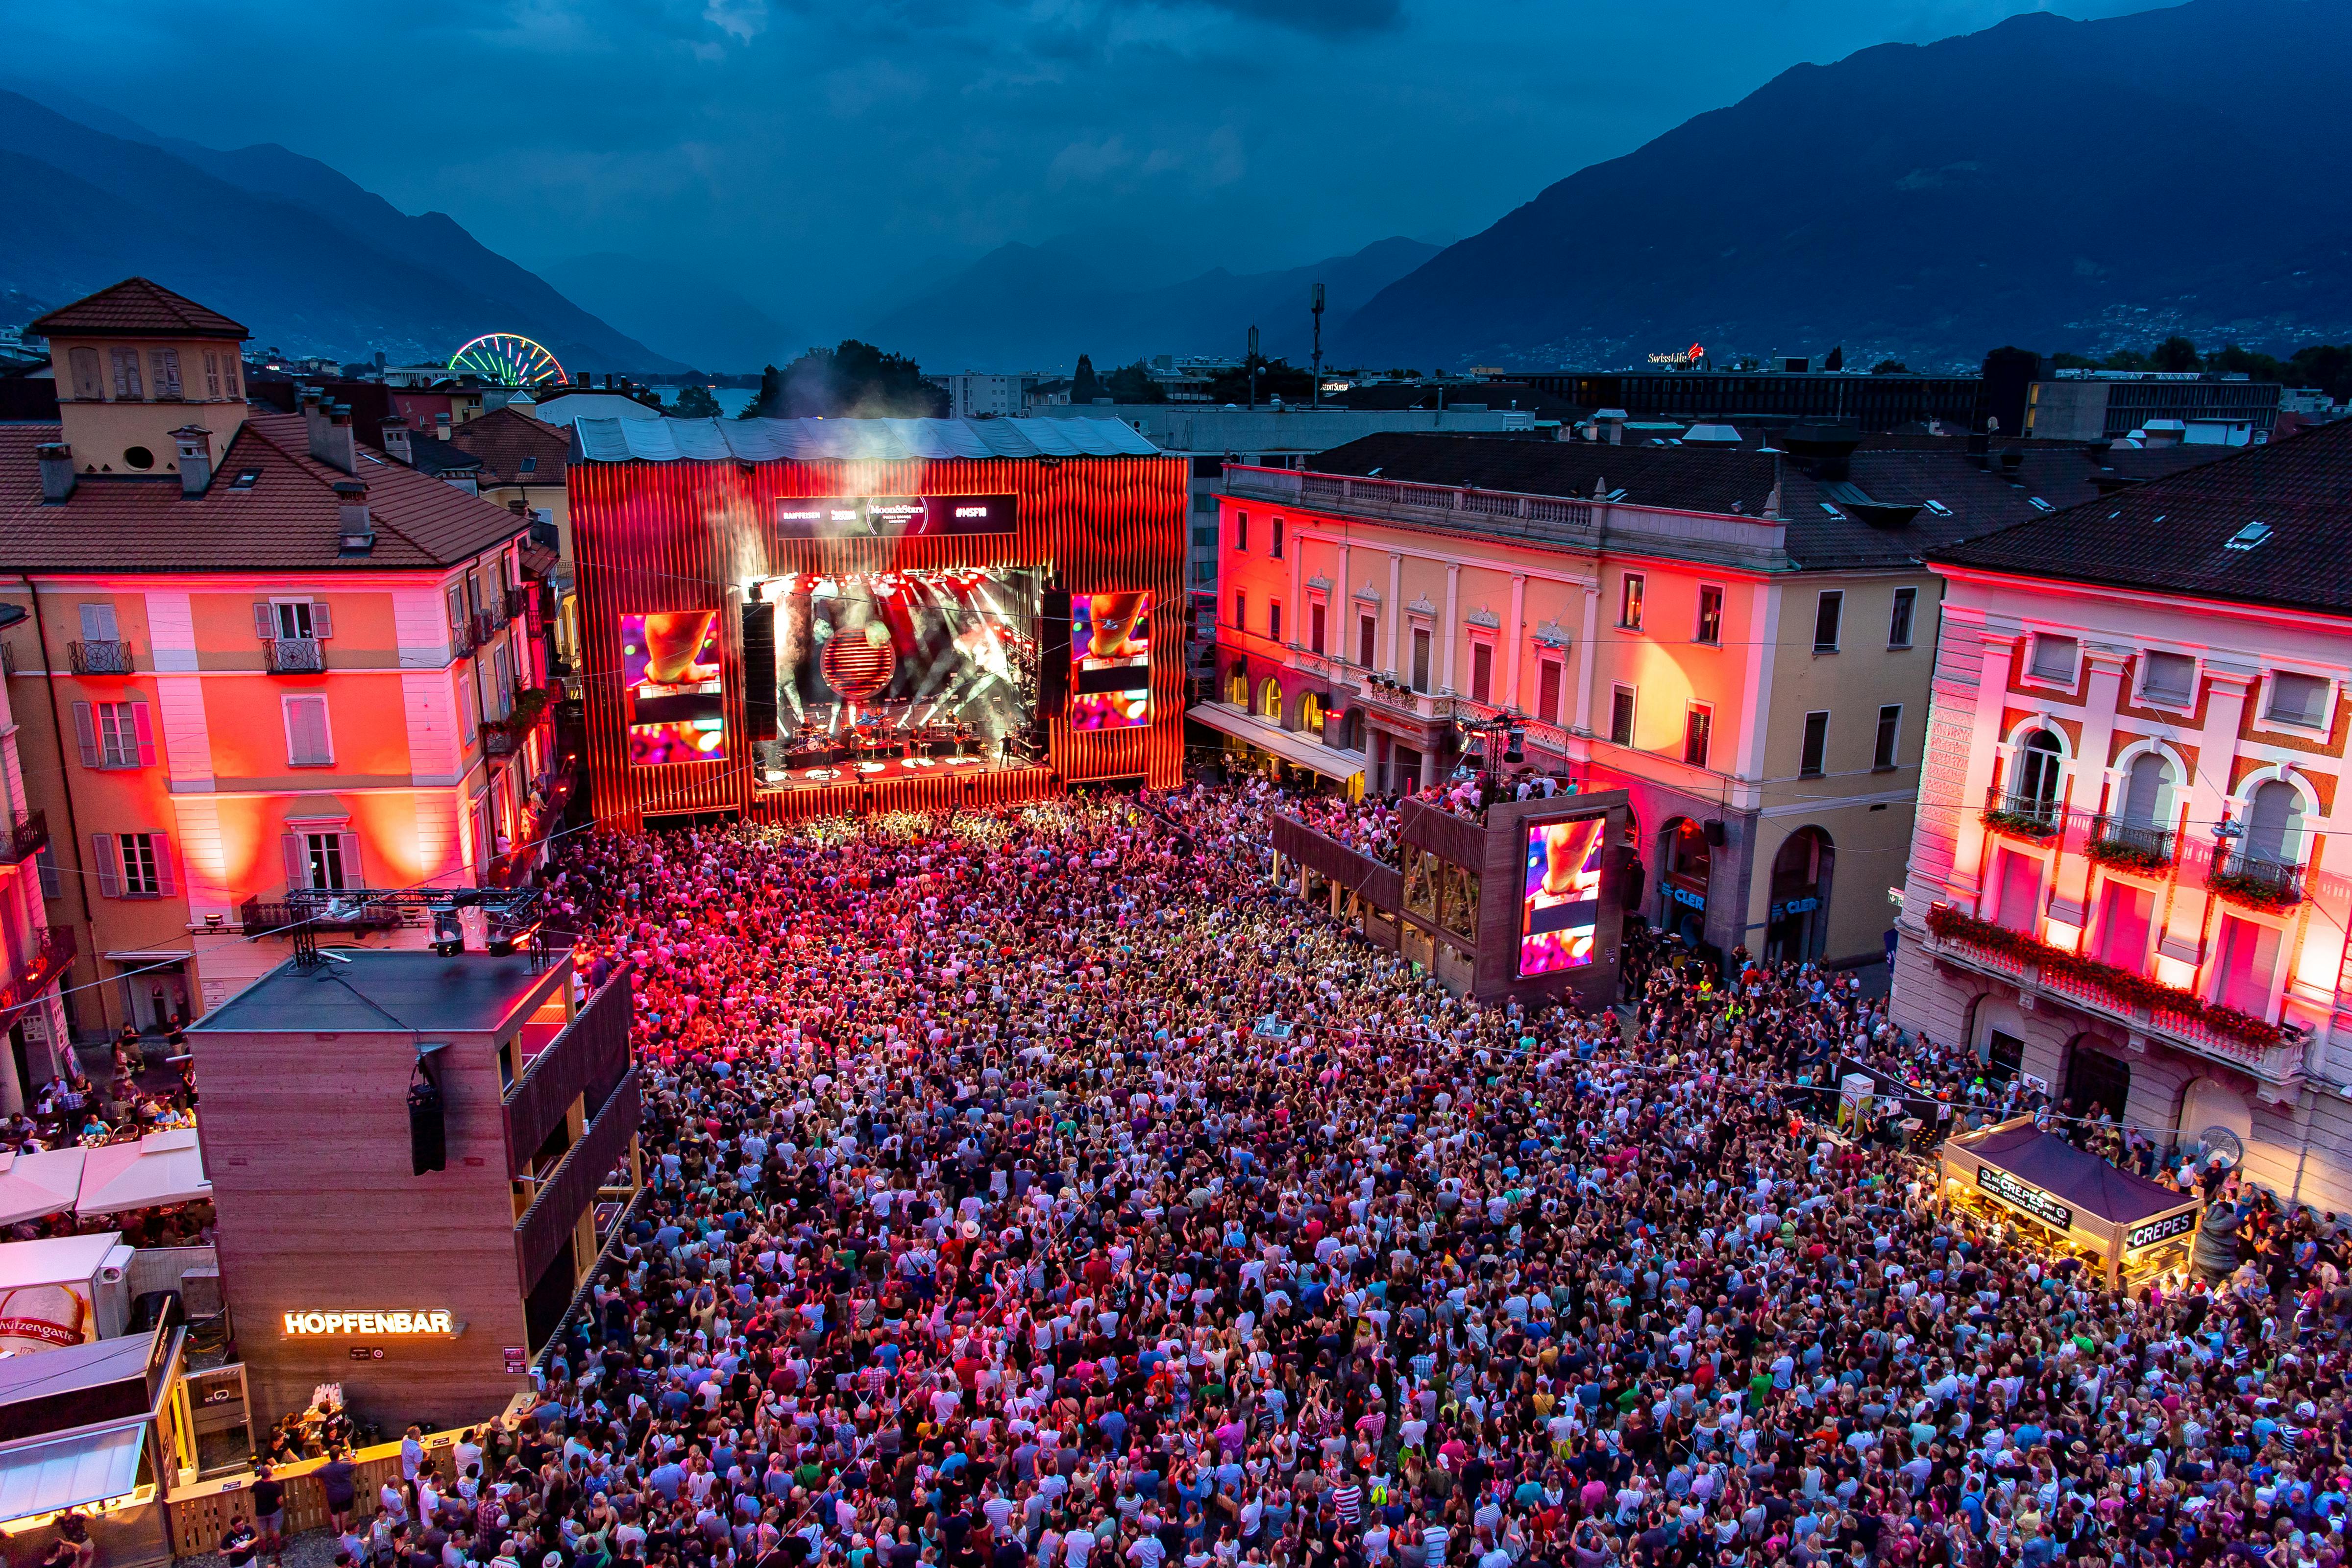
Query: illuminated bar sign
328	1325
2150	1232
2023	1195
892	517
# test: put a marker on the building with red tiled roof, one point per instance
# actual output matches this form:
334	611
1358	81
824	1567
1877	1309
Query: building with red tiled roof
254	655
525	462
2124	877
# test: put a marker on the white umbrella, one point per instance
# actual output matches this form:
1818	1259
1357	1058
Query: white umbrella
32	1185
160	1168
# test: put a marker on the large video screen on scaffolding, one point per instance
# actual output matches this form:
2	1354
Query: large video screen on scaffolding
931	659
1559	907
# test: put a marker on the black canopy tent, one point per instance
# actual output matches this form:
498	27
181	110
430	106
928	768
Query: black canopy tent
2131	1225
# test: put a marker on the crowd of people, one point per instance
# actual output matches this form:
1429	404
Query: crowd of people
1043	1189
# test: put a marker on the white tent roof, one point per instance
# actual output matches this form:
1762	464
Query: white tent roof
576	406
160	1168
32	1185
54	1258
812	440
65	1472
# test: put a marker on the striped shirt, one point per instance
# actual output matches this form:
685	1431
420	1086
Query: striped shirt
1349	1498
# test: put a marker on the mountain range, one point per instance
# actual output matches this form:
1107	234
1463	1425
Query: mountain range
2050	182
311	261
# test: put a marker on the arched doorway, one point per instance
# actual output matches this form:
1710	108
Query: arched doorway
1310	713
1798	923
1269	699
1351	729
1685	866
1237	686
2041	769
2096	1082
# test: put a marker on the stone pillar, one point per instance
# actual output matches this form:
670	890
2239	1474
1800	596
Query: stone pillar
1514	628
2227	687
1590	658
2092	787
1394	610
1451	629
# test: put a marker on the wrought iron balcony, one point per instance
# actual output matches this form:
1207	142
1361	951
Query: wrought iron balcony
500	737
296	656
52	955
518	603
111	657
486	625
2026	813
2256	879
2119	842
25	837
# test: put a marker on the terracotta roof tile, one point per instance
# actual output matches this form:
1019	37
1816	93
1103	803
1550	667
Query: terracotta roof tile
286	519
137	308
504	438
2195	533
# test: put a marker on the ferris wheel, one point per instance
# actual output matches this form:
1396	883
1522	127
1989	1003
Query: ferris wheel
506	359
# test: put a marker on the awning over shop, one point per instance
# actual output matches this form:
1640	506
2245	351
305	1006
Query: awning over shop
1292	747
32	1185
2074	1177
45	1475
160	1168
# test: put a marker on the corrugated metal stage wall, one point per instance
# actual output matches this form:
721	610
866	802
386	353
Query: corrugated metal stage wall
650	537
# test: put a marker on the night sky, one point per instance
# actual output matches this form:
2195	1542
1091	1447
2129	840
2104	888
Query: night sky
813	153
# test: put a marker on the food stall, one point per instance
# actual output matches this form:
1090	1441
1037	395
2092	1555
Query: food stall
92	1435
2125	1227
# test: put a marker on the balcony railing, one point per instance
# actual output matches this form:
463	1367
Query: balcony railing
109	657
296	656
261	917
486	627
27	836
518	603
2279	1064
500	737
2257	880
2143	844
2027	814
52	955
462	640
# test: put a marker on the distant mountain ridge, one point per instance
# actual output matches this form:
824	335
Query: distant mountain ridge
311	261
2050	182
1023	307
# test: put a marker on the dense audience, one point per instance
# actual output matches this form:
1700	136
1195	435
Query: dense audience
1042	1190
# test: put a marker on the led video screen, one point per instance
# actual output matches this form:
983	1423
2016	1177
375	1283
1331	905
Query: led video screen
888	659
1110	660
1561	902
892	517
670	670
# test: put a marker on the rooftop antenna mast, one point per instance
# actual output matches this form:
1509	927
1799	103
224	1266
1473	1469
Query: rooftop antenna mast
1253	367
1318	308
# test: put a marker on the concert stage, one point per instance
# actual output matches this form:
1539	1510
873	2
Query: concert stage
795	617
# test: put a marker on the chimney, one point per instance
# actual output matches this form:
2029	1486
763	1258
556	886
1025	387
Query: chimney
441	426
356	531
56	472
395	441
196	445
314	421
608	381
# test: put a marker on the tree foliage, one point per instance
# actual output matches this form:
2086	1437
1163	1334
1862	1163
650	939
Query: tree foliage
1133	384
695	403
855	379
1275	378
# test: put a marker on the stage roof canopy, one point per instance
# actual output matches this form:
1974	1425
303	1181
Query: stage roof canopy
815	440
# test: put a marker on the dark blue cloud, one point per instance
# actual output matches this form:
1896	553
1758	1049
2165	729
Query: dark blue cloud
813	155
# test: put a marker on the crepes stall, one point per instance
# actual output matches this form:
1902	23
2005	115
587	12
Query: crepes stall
2125	1227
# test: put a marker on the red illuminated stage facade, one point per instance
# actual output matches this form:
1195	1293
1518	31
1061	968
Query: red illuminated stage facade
791	618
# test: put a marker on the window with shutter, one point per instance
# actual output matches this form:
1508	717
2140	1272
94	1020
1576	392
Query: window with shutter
2169	678
2298	699
126	375
118	738
98	623
53	884
2054	658
103	862
295	860
229	377
1481	672
86	733
165	364
265	619
307	742
324	855
143	873
1548	691
322	622
87	386
212	373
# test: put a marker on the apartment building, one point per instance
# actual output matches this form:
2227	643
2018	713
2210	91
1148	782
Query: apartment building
2124	879
1738	636
254	655
34	955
